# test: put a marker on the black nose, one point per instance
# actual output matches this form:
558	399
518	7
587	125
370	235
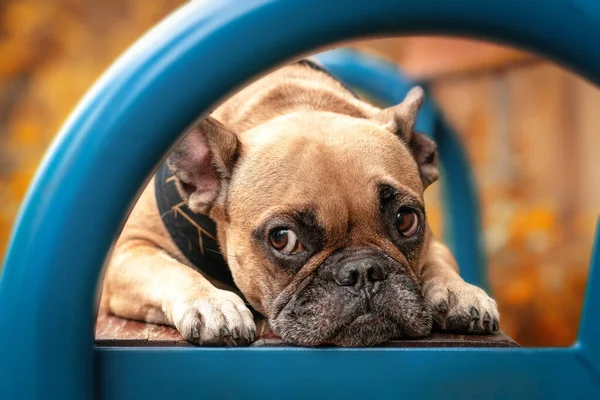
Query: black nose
360	273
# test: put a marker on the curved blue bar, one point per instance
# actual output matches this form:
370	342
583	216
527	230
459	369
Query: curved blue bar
384	81
131	117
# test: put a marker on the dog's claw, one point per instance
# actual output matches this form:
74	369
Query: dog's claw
462	308
487	322
443	307
224	332
195	332
474	313
456	323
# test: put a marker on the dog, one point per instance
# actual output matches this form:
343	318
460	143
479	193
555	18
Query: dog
302	202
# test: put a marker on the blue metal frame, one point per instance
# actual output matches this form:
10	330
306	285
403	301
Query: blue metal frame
385	82
128	121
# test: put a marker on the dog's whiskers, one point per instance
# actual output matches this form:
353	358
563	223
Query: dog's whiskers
221	253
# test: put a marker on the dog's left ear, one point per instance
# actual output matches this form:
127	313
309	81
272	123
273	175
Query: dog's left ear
401	119
203	163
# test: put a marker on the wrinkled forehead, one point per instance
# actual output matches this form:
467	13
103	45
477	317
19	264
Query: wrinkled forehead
320	159
356	145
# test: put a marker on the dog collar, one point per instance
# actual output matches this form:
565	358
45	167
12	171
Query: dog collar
194	234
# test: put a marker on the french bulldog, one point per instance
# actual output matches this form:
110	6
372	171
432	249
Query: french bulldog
303	202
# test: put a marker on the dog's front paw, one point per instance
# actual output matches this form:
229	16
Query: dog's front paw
460	307
217	318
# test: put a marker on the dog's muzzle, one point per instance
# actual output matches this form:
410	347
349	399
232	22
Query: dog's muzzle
356	297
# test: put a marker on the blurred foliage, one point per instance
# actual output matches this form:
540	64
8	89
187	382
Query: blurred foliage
51	53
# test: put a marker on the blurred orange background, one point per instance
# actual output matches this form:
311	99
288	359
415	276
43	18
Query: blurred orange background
529	128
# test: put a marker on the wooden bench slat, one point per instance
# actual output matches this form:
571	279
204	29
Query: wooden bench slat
108	328
113	331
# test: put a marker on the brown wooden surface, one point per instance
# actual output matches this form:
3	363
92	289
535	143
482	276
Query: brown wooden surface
113	331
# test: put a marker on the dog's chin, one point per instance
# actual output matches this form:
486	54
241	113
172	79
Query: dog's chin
370	329
366	330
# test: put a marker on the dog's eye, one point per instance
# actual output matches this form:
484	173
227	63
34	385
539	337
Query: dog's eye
285	241
407	222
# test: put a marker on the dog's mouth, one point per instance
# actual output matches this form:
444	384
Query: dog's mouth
322	313
368	318
366	330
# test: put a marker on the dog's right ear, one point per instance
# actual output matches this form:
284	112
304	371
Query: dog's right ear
401	119
203	162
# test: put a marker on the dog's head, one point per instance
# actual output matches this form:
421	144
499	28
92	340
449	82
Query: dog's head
321	219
